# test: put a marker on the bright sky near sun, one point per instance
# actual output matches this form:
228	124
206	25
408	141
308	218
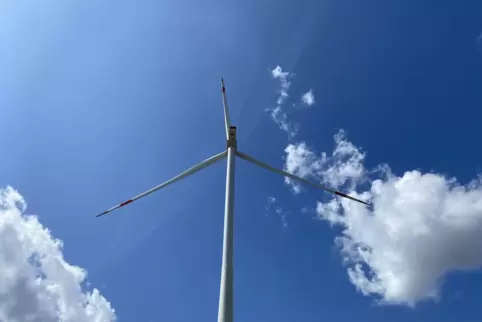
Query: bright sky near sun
102	100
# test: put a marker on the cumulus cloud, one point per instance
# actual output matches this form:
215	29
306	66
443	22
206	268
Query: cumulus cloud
308	98
343	167
36	283
301	161
422	225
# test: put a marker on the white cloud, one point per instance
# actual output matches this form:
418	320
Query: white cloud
345	164
281	119
301	161
283	215
277	114
284	83
36	283
308	98
342	168
277	72
272	203
421	227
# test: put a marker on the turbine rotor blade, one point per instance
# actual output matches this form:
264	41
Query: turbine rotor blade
227	121
292	176
180	176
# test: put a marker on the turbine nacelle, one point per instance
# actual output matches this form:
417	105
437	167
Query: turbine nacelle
232	141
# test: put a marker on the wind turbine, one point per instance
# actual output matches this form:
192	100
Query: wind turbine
225	310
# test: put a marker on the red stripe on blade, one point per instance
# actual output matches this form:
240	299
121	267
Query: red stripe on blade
224	90
125	203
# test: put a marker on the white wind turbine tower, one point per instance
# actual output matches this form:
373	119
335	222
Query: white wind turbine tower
225	311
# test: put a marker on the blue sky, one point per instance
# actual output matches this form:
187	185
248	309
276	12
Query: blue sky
101	100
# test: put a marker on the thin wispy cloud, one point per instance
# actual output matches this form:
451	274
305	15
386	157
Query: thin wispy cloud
277	113
308	98
479	42
278	73
270	201
281	119
273	205
36	283
422	226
